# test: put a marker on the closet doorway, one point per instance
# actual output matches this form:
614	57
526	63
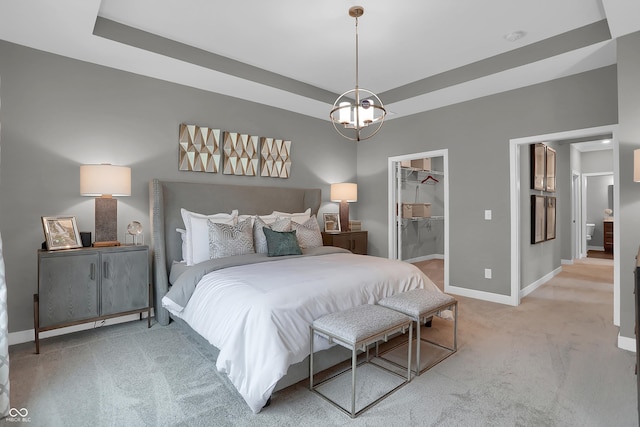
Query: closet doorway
418	209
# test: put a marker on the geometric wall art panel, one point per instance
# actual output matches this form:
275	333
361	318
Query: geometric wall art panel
199	149
240	154
275	158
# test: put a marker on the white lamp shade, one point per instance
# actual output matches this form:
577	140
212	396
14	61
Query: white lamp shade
105	179
636	165
344	113
344	191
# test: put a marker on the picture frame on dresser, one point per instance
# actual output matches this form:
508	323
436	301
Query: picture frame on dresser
331	222
61	232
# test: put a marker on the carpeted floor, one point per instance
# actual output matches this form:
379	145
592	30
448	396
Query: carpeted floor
552	361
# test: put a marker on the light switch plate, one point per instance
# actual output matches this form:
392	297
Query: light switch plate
487	214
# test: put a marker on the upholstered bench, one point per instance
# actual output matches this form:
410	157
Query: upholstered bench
356	329
422	304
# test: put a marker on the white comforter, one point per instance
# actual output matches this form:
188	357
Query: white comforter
258	315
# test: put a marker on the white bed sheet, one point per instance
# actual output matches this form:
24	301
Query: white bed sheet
258	315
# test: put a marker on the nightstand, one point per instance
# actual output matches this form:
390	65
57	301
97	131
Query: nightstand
355	241
85	285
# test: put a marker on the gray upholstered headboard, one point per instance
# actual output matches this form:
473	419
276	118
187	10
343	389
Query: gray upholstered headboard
166	198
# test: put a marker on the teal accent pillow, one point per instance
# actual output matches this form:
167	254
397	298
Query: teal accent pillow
280	243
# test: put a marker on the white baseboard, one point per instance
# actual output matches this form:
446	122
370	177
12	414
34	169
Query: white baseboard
595	248
481	295
29	335
425	258
541	281
626	343
566	262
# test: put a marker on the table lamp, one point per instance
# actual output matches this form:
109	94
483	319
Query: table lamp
104	181
344	193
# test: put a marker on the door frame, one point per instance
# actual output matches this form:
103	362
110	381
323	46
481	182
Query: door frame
585	186
393	197
514	170
576	215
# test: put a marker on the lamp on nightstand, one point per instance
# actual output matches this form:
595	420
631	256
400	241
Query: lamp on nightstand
344	193
104	181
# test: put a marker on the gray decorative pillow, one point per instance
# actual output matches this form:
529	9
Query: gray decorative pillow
228	240
308	233
259	239
281	243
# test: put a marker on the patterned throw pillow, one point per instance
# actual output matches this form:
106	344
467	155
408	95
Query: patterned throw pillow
281	243
228	240
308	234
259	239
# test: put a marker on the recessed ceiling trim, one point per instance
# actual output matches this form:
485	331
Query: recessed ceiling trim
563	43
134	37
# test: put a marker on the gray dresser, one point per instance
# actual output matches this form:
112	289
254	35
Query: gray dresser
89	284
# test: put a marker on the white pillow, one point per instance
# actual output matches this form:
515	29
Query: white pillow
183	237
300	217
308	234
197	234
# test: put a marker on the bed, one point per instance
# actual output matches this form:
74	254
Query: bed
255	309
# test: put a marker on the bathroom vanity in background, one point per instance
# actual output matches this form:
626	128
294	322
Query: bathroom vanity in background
608	236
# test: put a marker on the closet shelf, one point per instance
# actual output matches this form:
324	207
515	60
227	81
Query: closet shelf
421	218
411	170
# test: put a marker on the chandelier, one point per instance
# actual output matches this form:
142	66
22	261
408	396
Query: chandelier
358	113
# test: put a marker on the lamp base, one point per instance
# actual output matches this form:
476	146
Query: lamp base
106	244
344	216
106	220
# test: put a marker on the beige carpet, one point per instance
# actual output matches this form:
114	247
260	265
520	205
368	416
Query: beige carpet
552	361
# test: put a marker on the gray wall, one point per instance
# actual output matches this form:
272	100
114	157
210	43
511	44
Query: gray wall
629	138
59	113
596	161
477	135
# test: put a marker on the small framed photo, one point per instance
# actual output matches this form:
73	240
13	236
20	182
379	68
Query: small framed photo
61	232
331	222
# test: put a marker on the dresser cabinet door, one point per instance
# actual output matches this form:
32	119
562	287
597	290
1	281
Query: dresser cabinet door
68	287
125	281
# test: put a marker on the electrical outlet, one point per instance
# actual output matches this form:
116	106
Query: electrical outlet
487	273
487	214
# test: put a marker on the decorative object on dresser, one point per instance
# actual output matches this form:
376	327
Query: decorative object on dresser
61	232
364	118
355	241
134	229
345	193
331	222
90	284
104	181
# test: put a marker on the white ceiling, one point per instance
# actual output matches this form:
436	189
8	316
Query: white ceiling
401	43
